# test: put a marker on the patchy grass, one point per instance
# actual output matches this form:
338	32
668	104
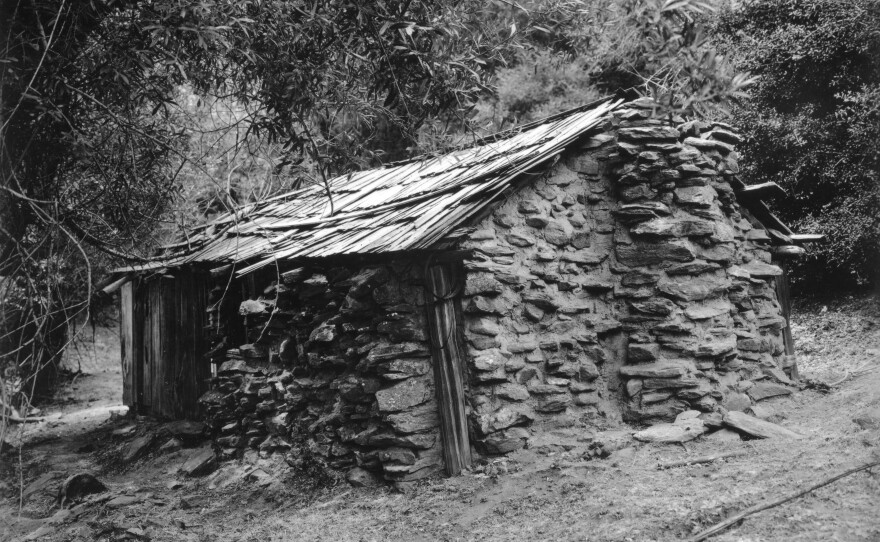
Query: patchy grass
531	495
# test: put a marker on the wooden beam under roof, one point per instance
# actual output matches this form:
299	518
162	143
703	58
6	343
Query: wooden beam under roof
807	238
788	251
761	191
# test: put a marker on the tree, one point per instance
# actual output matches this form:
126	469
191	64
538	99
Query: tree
812	125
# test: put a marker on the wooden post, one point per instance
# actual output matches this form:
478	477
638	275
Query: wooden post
442	312
126	340
783	295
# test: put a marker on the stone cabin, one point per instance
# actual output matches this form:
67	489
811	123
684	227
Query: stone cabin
595	268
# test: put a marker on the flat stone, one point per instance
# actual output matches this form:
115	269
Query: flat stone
583	257
682	430
512	392
504	417
506	441
482	284
762	270
707	309
392	351
648	133
359	477
416	420
638	353
642	254
200	462
656	307
736	401
186	430
674	227
653	370
758	428
695	196
402	396
766	390
692	289
692	268
138	448
558	232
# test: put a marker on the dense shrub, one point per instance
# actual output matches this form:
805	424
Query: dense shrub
812	125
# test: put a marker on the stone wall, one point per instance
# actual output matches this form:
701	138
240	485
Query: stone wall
626	283
336	371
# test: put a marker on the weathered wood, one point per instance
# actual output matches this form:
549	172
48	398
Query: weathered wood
783	295
442	283
732	520
807	237
126	340
762	190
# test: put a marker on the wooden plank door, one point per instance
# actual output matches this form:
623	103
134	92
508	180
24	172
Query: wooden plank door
127	335
442	284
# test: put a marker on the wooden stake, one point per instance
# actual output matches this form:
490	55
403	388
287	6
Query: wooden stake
718	527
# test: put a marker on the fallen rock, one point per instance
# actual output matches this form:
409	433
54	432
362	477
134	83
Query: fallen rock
199	463
724	435
78	486
138	448
869	419
189	432
758	428
686	427
359	477
766	390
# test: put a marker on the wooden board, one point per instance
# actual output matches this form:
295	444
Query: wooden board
449	371
126	340
783	295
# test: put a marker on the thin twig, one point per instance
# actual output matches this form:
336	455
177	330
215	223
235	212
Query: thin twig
718	527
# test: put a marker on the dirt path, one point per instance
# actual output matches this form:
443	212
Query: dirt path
533	495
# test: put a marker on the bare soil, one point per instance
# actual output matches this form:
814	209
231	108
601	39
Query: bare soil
547	492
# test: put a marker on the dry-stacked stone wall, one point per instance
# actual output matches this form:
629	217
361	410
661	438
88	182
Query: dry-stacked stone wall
627	282
336	370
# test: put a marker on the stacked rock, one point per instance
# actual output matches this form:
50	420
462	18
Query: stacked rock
338	373
629	281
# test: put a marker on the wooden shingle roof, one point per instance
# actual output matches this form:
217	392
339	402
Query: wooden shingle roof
400	207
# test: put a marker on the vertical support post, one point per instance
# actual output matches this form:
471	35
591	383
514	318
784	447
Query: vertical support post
442	292
127	346
783	295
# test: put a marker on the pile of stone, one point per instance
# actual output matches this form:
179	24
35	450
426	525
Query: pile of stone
338	373
631	273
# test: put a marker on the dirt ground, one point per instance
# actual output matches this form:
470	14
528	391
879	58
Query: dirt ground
544	493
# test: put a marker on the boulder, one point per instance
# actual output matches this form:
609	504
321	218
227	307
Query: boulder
504	417
78	486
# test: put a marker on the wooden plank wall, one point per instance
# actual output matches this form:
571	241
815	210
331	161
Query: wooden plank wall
127	346
168	374
449	373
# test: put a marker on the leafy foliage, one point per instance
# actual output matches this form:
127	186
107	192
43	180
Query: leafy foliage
812	125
